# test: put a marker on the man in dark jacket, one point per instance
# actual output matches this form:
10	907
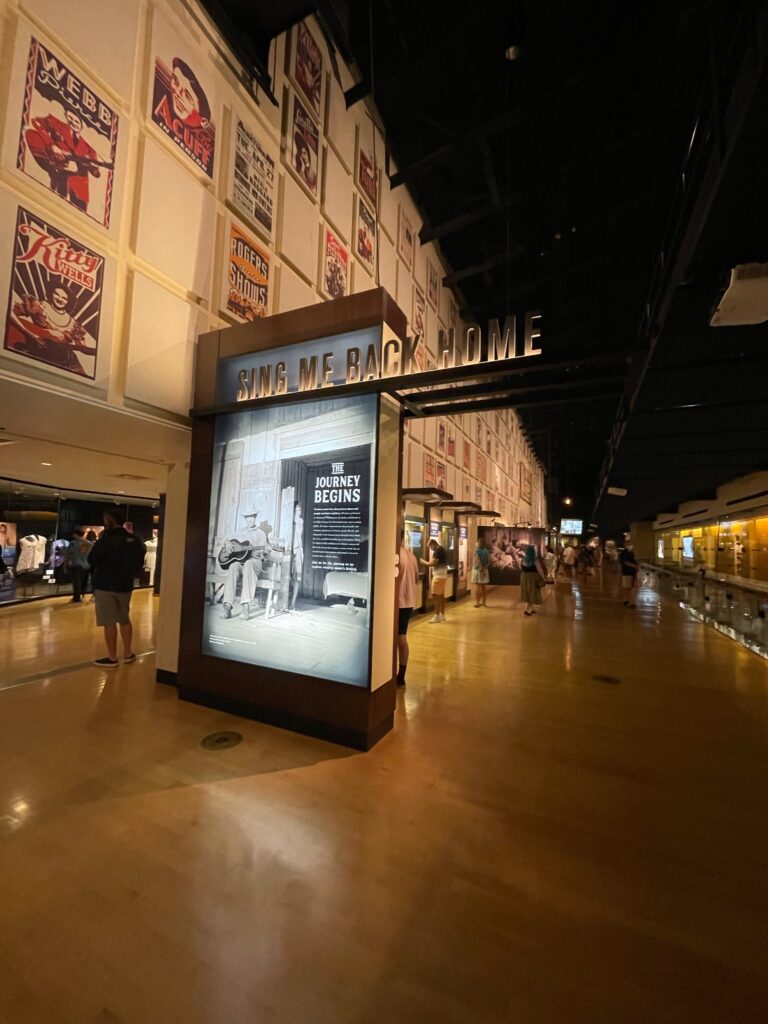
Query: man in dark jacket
115	559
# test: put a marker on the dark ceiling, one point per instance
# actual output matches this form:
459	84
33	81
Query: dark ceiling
552	182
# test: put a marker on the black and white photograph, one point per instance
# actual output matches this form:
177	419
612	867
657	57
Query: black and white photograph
289	577
504	557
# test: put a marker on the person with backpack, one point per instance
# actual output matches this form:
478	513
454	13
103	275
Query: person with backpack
115	559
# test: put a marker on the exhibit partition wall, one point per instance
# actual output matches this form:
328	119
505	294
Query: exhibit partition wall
289	588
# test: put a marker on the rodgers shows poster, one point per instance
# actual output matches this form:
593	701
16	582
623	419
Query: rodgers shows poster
305	145
54	308
289	538
366	176
253	178
335	268
68	135
247	288
181	109
419	311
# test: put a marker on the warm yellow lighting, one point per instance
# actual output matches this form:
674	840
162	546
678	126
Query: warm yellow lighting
567	501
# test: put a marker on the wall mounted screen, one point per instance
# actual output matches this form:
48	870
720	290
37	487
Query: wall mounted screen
571	527
289	553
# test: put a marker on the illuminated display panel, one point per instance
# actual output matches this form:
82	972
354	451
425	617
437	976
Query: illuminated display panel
289	549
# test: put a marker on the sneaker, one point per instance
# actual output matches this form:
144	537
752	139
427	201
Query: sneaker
442	618
435	618
227	611
105	662
129	658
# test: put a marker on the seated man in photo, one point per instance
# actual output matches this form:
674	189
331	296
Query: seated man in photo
243	562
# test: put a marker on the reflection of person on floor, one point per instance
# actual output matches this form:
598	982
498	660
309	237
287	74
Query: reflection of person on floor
246	571
297	555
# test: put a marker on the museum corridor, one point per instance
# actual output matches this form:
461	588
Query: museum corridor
566	824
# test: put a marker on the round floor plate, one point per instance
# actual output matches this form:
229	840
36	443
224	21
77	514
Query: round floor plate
221	740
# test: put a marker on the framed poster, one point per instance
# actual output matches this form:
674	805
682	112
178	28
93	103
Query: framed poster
246	291
252	177
334	268
433	284
289	530
467	489
305	146
440	434
481	467
182	110
306	67
526	483
467	455
68	138
487	441
54	307
429	470
478	495
440	476
405	240
419	311
365	237
451	442
367	172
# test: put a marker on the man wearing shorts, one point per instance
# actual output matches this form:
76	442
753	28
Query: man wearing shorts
115	558
407	588
629	568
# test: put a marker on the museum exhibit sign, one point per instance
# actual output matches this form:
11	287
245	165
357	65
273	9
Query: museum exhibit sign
295	505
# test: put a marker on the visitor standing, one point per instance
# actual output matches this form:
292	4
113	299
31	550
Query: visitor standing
569	559
550	563
407	589
115	558
438	563
532	578
629	570
76	561
480	575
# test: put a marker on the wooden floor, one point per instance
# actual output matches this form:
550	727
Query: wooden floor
530	846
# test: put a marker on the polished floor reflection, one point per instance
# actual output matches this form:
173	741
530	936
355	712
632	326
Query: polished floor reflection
532	844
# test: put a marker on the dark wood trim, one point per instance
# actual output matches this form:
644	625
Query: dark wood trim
358	739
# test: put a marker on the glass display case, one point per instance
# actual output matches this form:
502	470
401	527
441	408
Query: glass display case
36	525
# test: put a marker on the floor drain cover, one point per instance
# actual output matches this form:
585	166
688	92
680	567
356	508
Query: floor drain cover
611	680
221	740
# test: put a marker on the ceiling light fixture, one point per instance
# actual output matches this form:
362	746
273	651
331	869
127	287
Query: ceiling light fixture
567	501
513	52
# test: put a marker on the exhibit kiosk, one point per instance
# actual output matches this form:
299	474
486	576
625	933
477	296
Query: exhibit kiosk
289	592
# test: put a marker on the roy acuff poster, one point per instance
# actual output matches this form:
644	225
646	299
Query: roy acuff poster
432	285
68	135
181	109
419	311
308	66
335	268
366	175
54	308
305	145
366	236
247	289
405	240
505	558
253	177
289	538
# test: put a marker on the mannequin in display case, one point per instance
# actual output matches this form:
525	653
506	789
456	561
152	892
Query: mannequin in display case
150	559
32	554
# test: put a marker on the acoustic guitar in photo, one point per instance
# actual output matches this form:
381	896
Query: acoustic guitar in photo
237	551
51	151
